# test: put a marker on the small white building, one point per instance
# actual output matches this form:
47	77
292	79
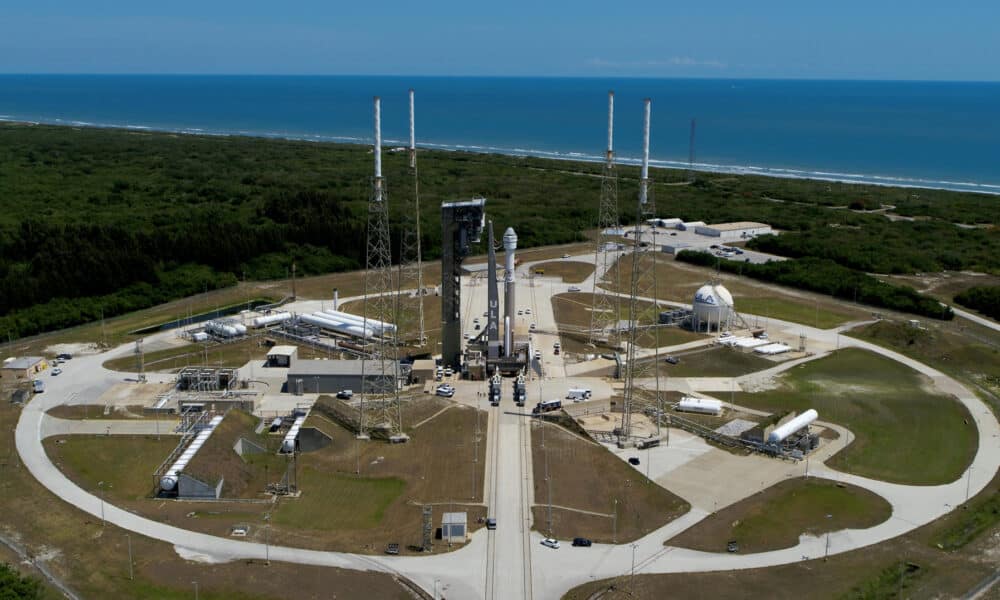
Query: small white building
733	232
282	356
454	527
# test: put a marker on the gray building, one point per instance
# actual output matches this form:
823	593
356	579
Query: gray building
331	376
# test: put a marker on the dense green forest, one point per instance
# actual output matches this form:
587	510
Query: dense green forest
984	298
14	586
117	220
827	277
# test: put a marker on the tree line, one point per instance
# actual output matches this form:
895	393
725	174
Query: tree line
825	276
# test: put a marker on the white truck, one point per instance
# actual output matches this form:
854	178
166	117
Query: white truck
37	386
578	394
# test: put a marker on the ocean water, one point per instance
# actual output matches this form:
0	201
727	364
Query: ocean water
921	134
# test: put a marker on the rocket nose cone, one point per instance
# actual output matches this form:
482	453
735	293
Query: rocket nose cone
509	235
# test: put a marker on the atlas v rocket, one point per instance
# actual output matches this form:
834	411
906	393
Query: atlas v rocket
493	302
509	246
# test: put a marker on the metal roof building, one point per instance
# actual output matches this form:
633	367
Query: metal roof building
282	356
320	376
25	367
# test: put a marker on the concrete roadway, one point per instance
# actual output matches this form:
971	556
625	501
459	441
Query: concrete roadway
518	561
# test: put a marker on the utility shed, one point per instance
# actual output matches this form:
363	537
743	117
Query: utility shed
282	356
25	367
331	376
423	369
454	527
739	230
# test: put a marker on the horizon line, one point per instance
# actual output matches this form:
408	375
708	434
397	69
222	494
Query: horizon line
495	76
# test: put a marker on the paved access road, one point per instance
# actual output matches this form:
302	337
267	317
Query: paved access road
516	566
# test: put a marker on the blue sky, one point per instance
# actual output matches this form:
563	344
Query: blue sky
844	39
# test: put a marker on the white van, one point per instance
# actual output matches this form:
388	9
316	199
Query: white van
578	394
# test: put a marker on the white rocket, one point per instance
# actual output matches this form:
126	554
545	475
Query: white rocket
509	246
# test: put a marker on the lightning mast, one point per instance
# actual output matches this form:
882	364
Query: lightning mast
606	308
641	286
411	274
378	306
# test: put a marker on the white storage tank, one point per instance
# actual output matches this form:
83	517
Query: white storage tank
712	308
706	406
778	434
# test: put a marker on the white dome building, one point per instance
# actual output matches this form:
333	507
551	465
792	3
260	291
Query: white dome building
712	308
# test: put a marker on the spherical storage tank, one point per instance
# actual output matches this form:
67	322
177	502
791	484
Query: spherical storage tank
712	307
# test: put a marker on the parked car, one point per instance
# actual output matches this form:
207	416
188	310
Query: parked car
538	355
345	394
565	255
491	523
56	371
551	543
574	288
448	372
64	356
634	461
392	549
581	542
672	360
527	311
732	546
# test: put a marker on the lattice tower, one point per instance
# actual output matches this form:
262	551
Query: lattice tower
379	296
411	276
606	308
642	365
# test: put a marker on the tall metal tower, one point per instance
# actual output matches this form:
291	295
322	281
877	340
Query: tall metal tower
411	275
643	284
379	295
606	308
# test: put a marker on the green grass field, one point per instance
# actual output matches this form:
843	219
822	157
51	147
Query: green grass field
124	463
345	501
714	362
796	311
776	517
904	433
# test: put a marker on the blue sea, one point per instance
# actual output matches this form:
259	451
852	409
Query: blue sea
920	134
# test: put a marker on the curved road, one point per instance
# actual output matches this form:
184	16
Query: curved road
551	572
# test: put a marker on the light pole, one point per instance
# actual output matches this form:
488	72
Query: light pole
195	589
100	484
131	575
631	583
614	523
436	588
267	538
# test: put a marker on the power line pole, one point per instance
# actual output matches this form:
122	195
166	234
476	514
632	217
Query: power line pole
606	308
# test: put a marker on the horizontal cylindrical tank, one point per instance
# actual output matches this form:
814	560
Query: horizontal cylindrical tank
288	444
338	326
706	406
200	336
378	326
220	329
271	319
240	328
779	434
169	480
